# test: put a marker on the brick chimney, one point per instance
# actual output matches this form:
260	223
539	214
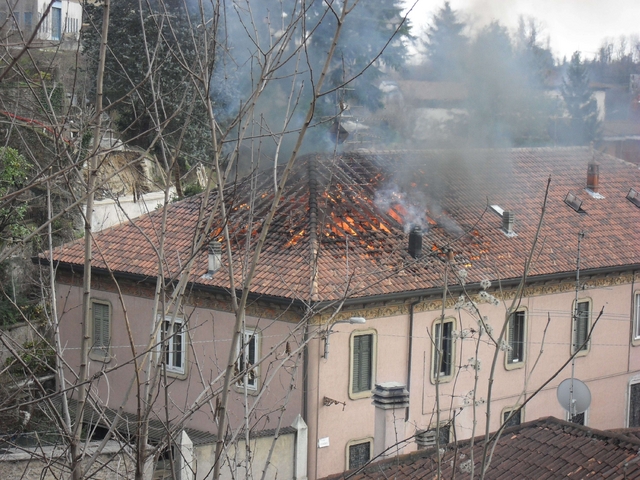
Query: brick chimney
593	176
390	400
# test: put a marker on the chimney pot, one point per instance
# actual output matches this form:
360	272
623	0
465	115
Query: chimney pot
215	257
593	176
415	242
507	221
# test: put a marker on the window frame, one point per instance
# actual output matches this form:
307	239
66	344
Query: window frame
101	354
250	336
635	338
585	418
169	353
506	411
575	329
357	394
449	375
632	382
57	20
352	443
509	363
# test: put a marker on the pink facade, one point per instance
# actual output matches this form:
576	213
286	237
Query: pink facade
206	353
608	367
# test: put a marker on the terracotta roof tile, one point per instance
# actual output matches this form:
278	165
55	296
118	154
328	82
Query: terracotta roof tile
558	455
363	243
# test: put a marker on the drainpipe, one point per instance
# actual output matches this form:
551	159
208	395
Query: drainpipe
410	356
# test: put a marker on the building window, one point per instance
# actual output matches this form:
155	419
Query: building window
443	354
362	356
248	357
56	23
636	317
101	330
511	417
358	454
581	327
28	22
173	344
578	418
516	336
634	405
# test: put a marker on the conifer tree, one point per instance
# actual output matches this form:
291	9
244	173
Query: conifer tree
446	44
584	126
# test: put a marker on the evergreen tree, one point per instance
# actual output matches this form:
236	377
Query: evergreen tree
506	105
446	44
584	126
366	32
142	91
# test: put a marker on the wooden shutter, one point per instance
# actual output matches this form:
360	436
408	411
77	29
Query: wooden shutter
101	327
362	363
582	326
511	328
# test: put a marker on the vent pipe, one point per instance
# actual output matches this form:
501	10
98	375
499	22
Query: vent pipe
593	176
215	257
507	221
415	242
390	399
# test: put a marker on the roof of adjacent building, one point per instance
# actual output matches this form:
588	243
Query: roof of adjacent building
361	205
547	448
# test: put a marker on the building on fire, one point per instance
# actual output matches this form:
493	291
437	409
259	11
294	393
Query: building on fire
370	240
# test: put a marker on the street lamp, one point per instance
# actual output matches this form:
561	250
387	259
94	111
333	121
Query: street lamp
352	321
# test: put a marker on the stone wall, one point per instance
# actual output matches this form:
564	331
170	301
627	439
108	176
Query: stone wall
49	463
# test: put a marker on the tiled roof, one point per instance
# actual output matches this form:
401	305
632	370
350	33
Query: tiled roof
547	448
362	203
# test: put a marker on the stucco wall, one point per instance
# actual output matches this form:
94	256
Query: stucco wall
608	366
209	334
281	464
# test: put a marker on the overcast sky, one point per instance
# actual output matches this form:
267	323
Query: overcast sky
570	24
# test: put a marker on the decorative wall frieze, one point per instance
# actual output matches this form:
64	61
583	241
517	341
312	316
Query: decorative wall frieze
531	290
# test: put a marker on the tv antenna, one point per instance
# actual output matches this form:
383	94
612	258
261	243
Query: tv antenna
573	394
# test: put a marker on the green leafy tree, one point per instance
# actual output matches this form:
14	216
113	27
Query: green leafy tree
13	173
446	44
584	125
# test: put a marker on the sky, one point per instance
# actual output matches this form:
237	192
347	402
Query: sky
570	24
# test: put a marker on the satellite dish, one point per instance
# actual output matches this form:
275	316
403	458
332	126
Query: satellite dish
574	391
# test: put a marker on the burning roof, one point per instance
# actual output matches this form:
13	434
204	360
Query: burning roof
359	209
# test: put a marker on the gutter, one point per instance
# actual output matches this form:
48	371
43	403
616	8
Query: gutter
387	297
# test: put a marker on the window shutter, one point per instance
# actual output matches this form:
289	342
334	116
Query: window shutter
511	327
582	325
634	405
100	326
355	384
362	360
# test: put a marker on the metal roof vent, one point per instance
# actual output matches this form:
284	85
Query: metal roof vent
574	202
415	242
634	197
507	223
215	257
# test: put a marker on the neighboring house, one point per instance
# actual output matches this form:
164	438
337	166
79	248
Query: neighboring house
544	448
345	241
61	25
